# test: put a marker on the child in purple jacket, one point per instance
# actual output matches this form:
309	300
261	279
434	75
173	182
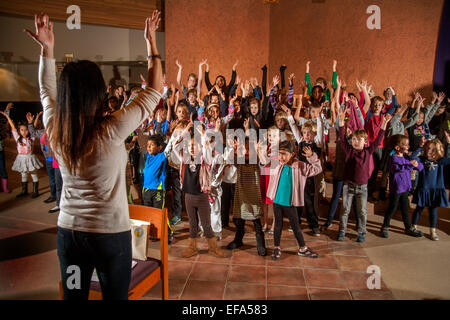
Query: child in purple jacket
400	167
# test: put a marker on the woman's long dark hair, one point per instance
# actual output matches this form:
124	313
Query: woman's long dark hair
78	124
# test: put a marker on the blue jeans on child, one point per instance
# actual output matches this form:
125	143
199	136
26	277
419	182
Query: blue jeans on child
359	192
108	253
51	178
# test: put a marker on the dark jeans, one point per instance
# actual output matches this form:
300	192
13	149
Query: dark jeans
311	215
371	185
108	253
291	213
51	178
227	198
432	214
337	191
58	185
153	198
394	200
198	204
173	182
3	172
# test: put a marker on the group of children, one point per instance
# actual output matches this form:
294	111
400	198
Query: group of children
185	147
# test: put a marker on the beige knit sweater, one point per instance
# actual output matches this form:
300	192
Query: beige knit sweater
96	201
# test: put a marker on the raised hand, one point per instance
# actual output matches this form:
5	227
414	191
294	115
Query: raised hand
291	78
275	81
44	32
440	97
203	62
178	64
151	24
246	123
435	96
392	90
142	78
235	65
9	106
341	114
238	80
386	118
334	65
29	117
307	66
307	152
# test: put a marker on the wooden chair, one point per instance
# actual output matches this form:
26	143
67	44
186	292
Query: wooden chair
145	274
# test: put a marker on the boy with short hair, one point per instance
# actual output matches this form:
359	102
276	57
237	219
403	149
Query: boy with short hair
356	177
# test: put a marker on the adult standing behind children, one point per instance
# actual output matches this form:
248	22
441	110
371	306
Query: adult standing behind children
93	224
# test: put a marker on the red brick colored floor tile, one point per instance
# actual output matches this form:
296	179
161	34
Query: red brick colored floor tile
372	295
251	274
245	291
203	290
209	272
285	276
175	254
324	261
324	278
351	263
289	258
358	280
247	257
204	256
286	293
328	294
179	269
175	289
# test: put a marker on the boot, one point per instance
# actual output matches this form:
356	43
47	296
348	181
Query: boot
24	190
214	250
191	250
433	234
5	185
261	243
35	193
240	231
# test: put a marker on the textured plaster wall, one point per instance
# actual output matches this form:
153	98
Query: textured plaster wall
221	31
401	54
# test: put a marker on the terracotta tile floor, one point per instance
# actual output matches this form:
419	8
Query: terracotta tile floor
338	273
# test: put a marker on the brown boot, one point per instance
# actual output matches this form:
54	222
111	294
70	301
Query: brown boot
214	249
191	250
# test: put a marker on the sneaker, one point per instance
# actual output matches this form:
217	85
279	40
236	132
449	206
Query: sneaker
316	232
341	236
414	232
49	199
270	231
384	233
265	229
170	238
54	209
276	254
361	237
175	220
290	229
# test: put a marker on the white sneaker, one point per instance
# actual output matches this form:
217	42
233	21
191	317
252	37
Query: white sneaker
54	209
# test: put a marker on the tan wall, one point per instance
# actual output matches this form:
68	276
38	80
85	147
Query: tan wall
401	54
221	31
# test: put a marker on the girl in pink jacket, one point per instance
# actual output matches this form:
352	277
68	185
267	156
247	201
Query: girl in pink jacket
286	190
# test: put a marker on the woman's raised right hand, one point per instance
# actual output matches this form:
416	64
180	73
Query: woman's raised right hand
44	31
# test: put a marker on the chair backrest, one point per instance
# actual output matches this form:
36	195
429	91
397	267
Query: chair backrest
158	224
